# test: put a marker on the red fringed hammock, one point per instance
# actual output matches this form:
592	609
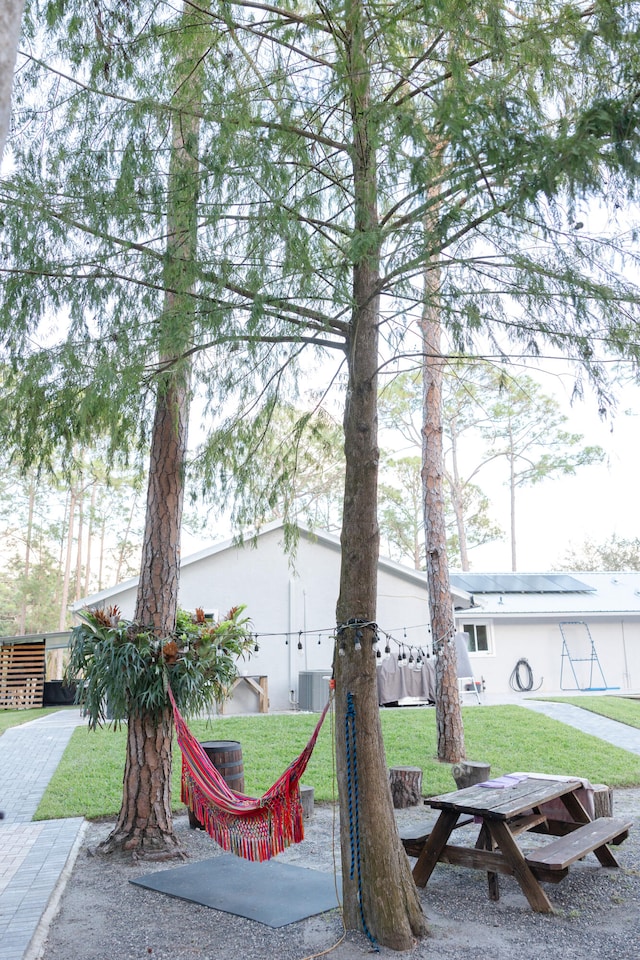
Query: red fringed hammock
254	828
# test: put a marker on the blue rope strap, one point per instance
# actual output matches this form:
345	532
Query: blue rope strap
354	809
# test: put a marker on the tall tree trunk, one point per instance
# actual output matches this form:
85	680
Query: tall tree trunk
512	501
103	536
457	500
79	547
66	579
448	712
22	616
380	893
10	21
92	514
124	539
145	823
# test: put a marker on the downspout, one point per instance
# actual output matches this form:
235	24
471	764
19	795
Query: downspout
293	697
626	675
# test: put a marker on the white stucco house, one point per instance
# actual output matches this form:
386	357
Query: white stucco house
291	603
577	632
507	617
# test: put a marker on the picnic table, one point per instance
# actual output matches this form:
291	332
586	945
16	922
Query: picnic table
503	811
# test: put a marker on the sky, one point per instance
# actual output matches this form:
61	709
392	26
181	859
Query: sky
595	503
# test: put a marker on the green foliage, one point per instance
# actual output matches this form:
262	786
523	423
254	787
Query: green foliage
88	779
35	528
616	553
491	124
527	428
122	668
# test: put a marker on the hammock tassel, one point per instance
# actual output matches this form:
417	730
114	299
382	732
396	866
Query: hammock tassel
255	828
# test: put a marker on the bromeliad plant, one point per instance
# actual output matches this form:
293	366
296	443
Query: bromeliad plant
121	668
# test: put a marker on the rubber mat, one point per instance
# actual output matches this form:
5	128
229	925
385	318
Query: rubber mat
272	893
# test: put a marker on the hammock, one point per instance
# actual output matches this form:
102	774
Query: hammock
256	828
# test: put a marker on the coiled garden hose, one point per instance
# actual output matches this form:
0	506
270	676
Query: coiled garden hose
521	678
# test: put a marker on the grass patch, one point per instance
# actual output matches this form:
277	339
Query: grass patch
13	718
624	709
88	781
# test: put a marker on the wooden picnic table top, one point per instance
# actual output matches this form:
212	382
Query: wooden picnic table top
502	803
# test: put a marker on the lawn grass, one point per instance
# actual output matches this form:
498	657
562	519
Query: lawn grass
624	709
13	718
88	781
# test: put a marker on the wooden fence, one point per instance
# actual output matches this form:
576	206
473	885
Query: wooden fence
22	670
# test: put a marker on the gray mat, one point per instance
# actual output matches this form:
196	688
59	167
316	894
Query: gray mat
272	893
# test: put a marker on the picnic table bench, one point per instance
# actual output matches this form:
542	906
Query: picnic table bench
503	814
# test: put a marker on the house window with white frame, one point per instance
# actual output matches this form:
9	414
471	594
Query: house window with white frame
478	637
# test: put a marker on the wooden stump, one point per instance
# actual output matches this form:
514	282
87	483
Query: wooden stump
406	786
602	800
468	772
306	798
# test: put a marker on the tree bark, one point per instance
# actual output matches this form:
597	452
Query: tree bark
448	713
144	826
380	895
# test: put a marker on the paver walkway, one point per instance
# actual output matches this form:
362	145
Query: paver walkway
619	734
34	856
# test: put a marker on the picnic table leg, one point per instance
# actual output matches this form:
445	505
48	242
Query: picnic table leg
530	884
575	808
485	842
434	846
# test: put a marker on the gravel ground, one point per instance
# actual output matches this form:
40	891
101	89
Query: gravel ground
103	917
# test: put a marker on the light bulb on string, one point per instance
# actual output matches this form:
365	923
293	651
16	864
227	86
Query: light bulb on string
300	640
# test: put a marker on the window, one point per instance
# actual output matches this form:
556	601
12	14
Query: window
478	637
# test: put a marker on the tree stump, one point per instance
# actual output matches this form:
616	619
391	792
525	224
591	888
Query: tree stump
406	786
602	800
468	772
306	798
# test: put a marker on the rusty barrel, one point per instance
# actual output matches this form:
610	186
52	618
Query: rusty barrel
226	757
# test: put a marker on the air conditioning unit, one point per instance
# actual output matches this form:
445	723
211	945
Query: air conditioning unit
313	689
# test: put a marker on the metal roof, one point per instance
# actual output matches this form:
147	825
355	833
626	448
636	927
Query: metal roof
519	583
